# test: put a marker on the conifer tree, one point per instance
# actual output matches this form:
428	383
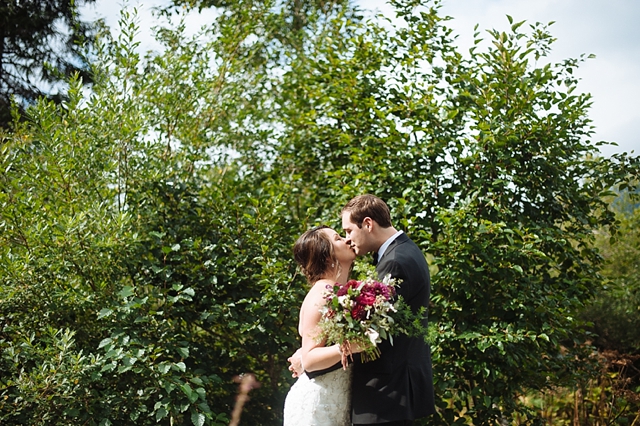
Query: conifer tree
40	44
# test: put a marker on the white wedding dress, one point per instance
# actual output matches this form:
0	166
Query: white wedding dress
324	400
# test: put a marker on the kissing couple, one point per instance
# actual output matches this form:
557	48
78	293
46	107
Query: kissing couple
394	389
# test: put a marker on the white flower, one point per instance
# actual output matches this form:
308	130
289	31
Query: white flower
387	280
344	301
373	336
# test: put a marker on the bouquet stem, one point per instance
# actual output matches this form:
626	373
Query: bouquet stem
371	354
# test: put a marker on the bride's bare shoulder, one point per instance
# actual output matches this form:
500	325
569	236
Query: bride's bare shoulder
313	302
316	293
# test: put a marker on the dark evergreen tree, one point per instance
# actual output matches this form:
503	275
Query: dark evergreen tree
40	44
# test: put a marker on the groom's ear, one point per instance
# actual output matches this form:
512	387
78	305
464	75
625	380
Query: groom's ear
367	224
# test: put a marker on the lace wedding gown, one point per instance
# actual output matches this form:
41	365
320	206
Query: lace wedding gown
324	400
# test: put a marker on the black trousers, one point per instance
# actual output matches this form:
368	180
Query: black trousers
396	423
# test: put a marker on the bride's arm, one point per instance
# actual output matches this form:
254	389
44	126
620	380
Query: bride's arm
315	356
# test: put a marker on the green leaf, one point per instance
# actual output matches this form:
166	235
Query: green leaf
196	381
127	291
161	414
197	418
104	342
192	396
104	312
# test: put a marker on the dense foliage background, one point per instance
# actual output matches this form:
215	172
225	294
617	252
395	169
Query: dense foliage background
146	225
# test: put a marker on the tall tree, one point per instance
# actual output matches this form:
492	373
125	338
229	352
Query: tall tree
40	45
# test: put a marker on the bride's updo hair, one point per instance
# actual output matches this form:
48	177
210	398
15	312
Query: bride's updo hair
313	251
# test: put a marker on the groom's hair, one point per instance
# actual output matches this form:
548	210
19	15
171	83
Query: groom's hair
314	252
371	206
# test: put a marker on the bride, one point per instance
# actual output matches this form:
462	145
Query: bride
322	394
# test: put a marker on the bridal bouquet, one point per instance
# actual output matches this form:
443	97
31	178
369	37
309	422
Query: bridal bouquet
364	313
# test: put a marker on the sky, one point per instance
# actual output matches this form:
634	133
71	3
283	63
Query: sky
608	29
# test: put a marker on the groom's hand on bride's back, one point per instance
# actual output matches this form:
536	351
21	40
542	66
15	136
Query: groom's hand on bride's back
295	364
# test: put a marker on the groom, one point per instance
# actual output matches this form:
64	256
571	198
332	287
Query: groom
396	388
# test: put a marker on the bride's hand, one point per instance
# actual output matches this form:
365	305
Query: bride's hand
355	348
295	364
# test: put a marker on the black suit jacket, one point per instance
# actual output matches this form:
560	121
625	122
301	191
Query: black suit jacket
399	384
